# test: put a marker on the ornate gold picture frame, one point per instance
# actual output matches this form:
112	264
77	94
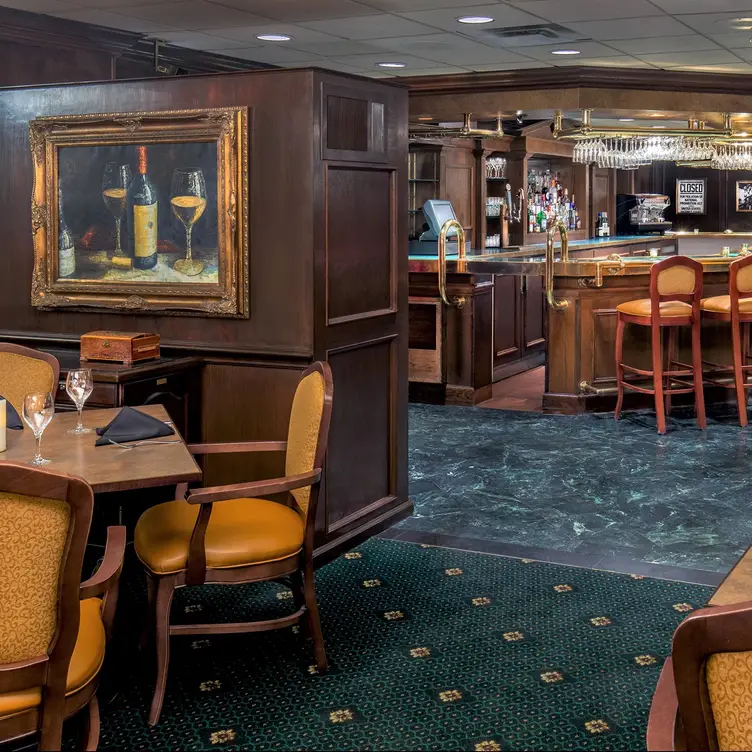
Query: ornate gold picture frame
142	212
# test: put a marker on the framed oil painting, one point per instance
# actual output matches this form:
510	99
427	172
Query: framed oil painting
744	196
142	212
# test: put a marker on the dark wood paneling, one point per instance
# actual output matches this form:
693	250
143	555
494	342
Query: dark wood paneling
602	197
359	253
363	379
507	325
458	186
534	314
347	120
422	327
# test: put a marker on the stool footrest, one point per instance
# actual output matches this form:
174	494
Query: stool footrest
689	371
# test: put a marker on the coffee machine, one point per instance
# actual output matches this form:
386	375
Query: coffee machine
638	213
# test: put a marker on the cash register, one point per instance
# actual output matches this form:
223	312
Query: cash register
436	212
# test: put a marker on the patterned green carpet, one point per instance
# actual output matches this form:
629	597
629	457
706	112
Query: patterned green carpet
431	649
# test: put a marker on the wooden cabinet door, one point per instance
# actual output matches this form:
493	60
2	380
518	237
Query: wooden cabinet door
507	338
534	310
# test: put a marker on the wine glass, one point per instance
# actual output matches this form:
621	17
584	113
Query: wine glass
79	385
188	200
115	182
38	409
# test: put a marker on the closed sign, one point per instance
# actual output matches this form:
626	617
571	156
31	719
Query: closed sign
690	196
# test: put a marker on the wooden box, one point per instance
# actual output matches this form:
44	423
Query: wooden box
119	347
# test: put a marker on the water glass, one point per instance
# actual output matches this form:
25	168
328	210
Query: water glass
38	409
79	386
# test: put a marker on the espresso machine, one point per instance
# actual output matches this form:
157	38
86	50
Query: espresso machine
638	213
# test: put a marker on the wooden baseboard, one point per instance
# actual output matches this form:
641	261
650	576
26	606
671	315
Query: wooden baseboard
448	394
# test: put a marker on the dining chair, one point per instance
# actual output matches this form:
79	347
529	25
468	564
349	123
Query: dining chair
53	627
703	700
231	534
23	370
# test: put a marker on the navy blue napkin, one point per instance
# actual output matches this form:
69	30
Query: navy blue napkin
132	425
12	418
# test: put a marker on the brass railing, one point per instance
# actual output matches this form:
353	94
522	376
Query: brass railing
561	228
459	301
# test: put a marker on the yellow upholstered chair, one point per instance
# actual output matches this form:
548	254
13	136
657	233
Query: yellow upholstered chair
703	700
675	294
53	627
230	534
735	308
23	370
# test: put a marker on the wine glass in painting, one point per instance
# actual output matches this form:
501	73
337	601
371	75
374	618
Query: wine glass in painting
38	409
79	385
115	182
188	200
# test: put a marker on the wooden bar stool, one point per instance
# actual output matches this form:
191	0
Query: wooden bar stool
736	308
675	295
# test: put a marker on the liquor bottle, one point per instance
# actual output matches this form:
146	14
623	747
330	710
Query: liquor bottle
66	252
142	216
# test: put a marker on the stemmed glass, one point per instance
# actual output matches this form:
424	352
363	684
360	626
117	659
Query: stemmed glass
38	409
115	182
79	385
188	199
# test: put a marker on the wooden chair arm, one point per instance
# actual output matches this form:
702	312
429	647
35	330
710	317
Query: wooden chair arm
664	711
253	489
109	571
238	446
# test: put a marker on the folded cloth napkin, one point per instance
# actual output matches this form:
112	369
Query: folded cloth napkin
132	425
12	418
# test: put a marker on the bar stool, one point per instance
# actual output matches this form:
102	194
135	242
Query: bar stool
675	294
736	307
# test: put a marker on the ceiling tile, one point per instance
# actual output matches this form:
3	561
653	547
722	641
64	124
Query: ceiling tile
275	55
109	4
630	28
328	64
586	10
191	14
735	68
700	6
298	33
116	21
369	27
510	66
448	48
336	48
446	70
621	61
370	62
405	6
197	41
744	54
686	43
733	40
446	18
587	50
710	23
699	57
295	11
41	6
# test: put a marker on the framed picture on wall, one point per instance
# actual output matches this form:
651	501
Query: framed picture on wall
690	195
142	212
744	195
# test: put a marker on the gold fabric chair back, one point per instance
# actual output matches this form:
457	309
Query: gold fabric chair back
729	682
23	370
303	432
676	280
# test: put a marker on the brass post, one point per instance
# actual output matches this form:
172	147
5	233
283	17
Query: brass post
560	227
459	301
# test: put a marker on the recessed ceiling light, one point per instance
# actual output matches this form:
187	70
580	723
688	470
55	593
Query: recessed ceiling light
274	37
565	52
626	120
425	118
475	19
392	65
741	24
659	126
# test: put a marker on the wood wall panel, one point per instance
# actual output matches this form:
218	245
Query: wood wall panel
360	246
363	397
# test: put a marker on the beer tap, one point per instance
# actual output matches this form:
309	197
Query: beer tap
512	212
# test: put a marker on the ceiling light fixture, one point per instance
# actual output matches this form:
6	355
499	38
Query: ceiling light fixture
659	126
392	65
626	120
425	118
565	52
475	19
274	37
740	24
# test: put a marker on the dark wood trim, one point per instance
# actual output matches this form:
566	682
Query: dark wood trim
523	364
578	77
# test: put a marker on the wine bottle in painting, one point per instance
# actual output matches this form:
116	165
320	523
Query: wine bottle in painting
142	208
66	252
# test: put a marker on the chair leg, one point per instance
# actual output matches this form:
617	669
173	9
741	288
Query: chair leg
148	625
314	623
697	369
165	591
736	346
655	332
619	369
298	595
92	726
671	356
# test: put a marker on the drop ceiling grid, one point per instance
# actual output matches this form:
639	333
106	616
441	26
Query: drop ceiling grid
354	35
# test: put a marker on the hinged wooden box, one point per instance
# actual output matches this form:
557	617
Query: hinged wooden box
119	347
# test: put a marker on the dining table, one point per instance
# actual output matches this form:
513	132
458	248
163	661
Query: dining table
152	463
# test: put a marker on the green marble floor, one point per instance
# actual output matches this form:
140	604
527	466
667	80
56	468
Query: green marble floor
584	489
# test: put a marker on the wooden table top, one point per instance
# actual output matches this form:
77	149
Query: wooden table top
737	587
106	468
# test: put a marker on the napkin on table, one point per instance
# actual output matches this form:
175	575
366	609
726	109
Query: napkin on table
132	425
